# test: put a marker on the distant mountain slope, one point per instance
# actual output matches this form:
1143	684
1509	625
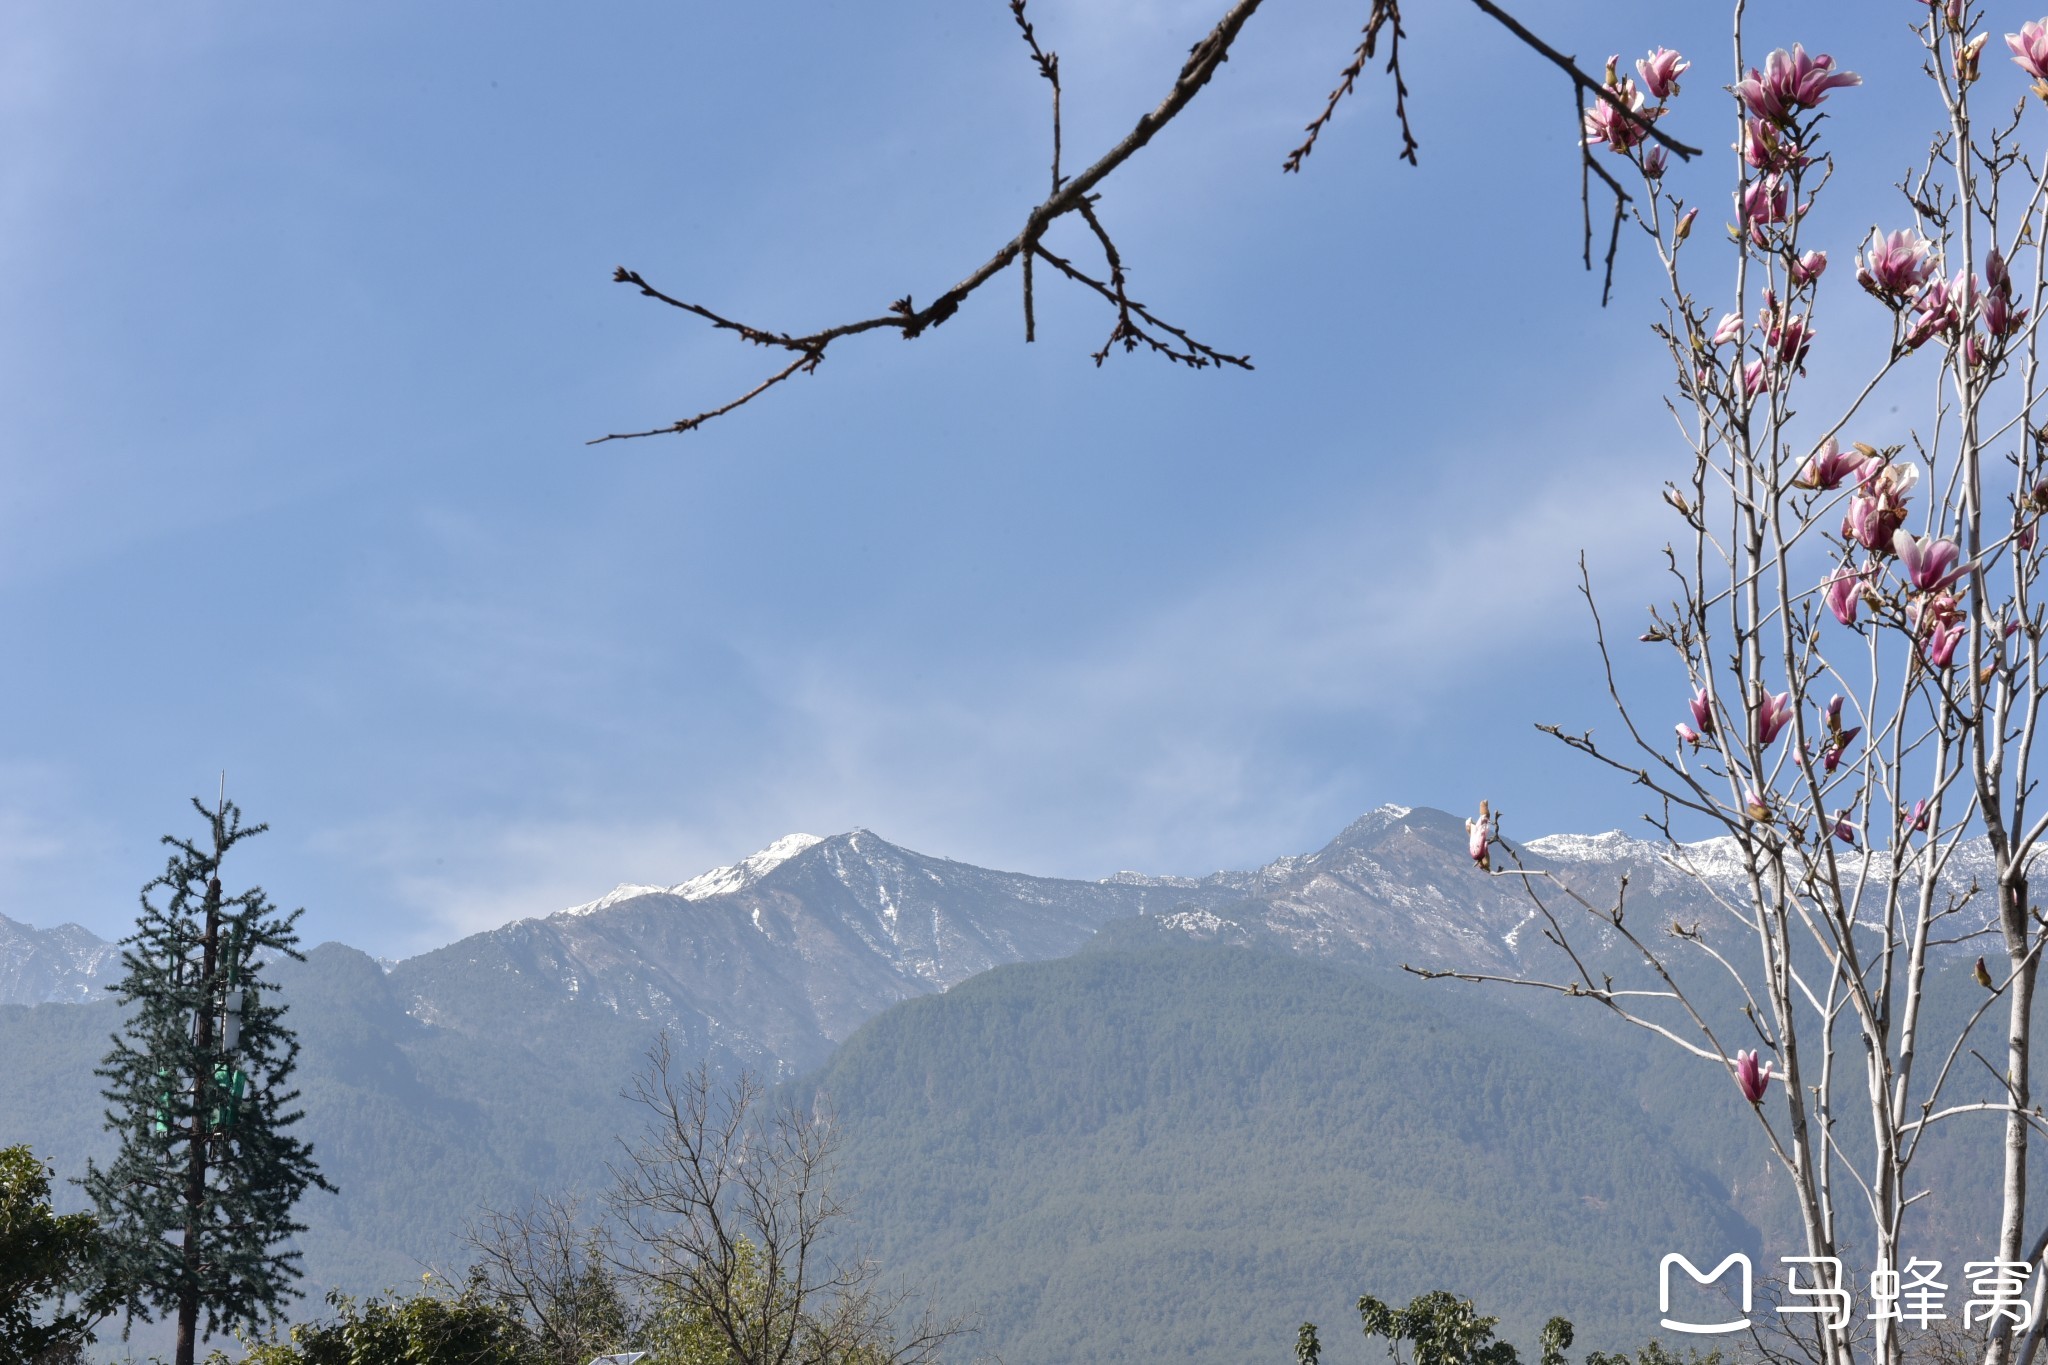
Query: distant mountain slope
1181	1153
66	963
1156	1139
776	959
1188	1147
419	1127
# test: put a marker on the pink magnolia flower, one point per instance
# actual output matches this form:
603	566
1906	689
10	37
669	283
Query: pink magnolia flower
1755	379
1839	739
1660	72
1791	337
1808	267
1765	200
1755	807
1792	81
1941	609
2030	48
1940	646
1945	306
1828	466
1930	564
1477	832
2000	317
1655	162
1605	123
1845	831
1918	820
1845	593
1772	714
1927	326
1755	1080
1898	264
1878	509
1727	330
1687	735
1702	705
1765	147
1933	320
2025	538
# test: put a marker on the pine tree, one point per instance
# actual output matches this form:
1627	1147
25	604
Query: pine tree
198	1202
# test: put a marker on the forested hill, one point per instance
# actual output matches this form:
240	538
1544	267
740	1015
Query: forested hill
1181	1152
1160	1148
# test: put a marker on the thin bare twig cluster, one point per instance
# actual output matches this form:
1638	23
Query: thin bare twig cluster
1136	326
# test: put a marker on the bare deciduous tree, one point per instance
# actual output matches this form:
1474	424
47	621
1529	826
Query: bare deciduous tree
727	1208
552	1266
1898	578
722	1243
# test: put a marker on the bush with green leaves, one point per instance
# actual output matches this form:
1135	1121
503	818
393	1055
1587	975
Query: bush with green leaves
51	1291
1438	1328
422	1328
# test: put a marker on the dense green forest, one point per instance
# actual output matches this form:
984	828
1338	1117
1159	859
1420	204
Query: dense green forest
1182	1152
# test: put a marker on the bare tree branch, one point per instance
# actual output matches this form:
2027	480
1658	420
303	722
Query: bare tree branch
1135	326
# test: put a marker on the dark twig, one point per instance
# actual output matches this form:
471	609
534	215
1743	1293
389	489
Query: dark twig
1621	200
1347	81
1048	67
1587	162
1386	10
1589	167
1130	313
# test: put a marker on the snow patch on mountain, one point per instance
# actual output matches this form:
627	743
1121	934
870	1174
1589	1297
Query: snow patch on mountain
719	881
1715	859
68	964
624	891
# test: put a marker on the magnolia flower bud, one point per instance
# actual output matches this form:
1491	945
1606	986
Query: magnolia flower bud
1754	1079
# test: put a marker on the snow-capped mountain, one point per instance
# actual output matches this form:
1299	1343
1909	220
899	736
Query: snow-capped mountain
776	957
64	964
773	959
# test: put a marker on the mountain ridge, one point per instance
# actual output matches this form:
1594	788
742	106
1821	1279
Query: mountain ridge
772	959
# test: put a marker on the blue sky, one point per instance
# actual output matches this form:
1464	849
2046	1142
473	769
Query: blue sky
306	316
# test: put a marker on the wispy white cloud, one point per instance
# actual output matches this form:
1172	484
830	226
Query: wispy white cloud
1180	733
1169	738
453	878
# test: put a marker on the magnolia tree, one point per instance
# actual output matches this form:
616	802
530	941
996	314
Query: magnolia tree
1858	627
